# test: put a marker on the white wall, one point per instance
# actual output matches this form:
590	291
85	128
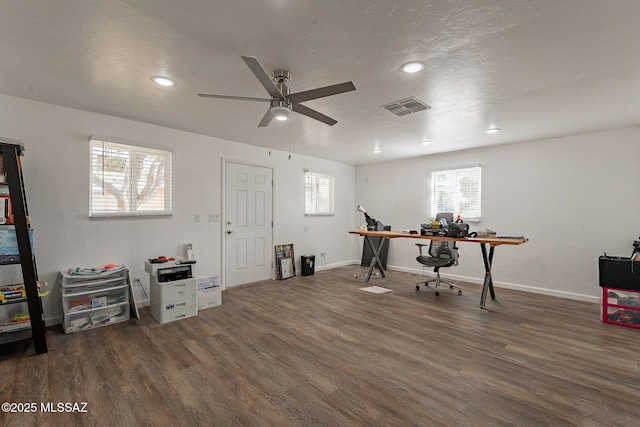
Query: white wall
575	198
56	172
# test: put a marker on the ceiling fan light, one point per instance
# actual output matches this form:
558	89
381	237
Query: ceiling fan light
280	113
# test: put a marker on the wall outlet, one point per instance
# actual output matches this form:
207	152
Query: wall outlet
137	280
323	254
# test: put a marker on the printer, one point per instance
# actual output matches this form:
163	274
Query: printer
173	273
172	290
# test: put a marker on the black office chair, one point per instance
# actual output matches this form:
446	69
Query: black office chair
442	253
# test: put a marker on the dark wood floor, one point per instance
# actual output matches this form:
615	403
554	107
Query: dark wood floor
317	350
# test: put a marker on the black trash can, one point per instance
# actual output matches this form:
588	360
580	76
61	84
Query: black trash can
308	264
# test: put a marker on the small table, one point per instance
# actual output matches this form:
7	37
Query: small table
487	257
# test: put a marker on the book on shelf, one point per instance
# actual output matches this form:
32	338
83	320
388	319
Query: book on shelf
9	293
17	322
13	296
15	326
6	210
12	293
12	288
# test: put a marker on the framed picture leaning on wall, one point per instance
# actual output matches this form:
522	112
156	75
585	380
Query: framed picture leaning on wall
285	261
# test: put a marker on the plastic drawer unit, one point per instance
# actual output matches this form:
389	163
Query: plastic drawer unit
91	301
173	291
620	307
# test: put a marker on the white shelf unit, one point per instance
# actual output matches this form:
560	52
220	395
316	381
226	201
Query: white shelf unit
95	300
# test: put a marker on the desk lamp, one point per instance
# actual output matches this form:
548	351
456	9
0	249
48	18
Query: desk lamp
371	223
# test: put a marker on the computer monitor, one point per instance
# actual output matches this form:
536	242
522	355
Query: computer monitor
444	218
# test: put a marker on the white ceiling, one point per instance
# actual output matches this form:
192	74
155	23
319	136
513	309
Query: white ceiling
535	69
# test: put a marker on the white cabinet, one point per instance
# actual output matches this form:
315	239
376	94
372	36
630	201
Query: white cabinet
91	301
173	291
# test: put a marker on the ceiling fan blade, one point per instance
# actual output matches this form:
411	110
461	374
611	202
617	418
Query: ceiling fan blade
240	98
321	92
266	119
306	111
263	77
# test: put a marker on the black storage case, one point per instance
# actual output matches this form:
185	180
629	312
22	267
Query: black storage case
367	253
308	265
619	272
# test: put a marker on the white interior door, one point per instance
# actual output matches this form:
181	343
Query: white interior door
248	223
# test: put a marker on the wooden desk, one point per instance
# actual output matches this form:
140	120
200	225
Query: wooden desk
483	241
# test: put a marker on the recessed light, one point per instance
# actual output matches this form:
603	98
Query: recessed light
424	142
492	130
376	150
163	81
412	67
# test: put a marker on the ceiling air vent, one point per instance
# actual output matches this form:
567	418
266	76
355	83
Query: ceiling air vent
406	106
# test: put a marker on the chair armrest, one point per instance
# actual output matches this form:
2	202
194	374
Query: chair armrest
420	246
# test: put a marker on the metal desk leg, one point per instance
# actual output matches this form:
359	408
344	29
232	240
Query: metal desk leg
488	280
375	260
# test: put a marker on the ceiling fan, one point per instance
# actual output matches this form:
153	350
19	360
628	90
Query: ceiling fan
282	102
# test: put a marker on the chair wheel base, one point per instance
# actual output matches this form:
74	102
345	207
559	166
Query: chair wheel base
436	287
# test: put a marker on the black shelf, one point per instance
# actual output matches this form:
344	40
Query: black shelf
13	301
11	153
9	259
14	336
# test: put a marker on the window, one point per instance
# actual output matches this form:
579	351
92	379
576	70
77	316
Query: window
318	193
129	179
457	191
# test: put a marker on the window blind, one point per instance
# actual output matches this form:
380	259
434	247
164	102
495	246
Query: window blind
319	189
129	179
457	191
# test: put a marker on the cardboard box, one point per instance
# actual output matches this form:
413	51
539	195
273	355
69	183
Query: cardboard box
210	297
206	281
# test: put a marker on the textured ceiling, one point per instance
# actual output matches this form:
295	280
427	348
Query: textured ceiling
535	69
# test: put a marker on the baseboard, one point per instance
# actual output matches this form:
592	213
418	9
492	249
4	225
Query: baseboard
320	267
506	285
54	320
